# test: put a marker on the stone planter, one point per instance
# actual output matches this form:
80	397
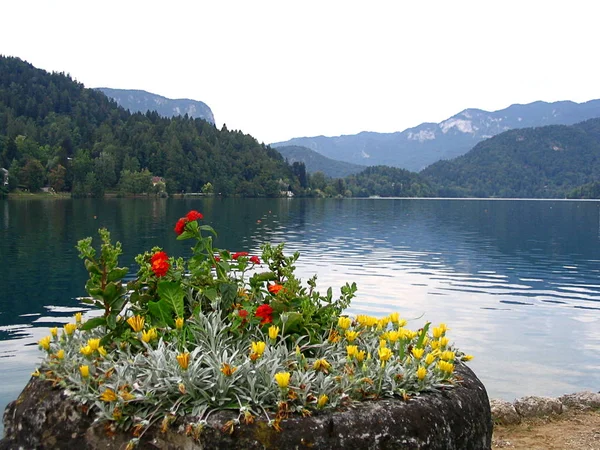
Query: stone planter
43	417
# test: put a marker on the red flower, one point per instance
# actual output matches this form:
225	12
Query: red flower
158	256
243	313
180	225
255	259
236	255
265	312
194	215
217	258
274	288
160	267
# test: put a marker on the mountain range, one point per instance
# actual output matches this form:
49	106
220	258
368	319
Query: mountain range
540	162
418	147
141	101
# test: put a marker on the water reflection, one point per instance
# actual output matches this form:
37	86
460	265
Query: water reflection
517	281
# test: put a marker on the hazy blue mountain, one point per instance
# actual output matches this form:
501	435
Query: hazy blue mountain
416	148
540	162
315	162
142	101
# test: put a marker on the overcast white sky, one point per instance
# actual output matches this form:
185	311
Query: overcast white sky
282	69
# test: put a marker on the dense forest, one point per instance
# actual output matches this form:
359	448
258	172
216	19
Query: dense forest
55	132
543	162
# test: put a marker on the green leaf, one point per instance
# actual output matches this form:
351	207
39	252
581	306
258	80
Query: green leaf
110	293
161	313
87	301
91	267
111	321
172	294
117	273
208	228
93	323
423	335
185	235
210	293
262	277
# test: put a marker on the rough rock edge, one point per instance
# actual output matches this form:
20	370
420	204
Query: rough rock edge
507	413
458	418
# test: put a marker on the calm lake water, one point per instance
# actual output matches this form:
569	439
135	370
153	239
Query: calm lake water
517	281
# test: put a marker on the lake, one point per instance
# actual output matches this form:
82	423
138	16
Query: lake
516	281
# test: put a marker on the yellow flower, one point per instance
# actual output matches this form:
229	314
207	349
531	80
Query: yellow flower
447	355
360	356
78	318
467	357
184	360
418	352
443	327
435	345
322	401
45	342
87	350
60	354
383	323
258	347
351	335
394	317
444	341
227	369
344	322
384	353
429	359
108	396
93	344
366	321
179	323
352	350
70	328
282	379
149	335
273	332
382	343
437	332
102	351
334	336
36	373
421	373
393	336
54	331
321	364
402	323
136	322
445	366
84	371
126	395
410	334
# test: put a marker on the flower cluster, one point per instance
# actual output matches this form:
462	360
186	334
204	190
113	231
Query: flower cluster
160	263
188	337
189	217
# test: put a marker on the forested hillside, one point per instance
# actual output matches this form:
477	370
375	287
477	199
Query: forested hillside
544	162
55	131
315	162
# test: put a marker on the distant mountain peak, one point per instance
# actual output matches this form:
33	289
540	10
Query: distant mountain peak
137	100
416	148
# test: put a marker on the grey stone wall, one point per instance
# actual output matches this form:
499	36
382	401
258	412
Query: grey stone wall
43	417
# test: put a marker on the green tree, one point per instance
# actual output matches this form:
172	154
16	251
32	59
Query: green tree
56	178
32	175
